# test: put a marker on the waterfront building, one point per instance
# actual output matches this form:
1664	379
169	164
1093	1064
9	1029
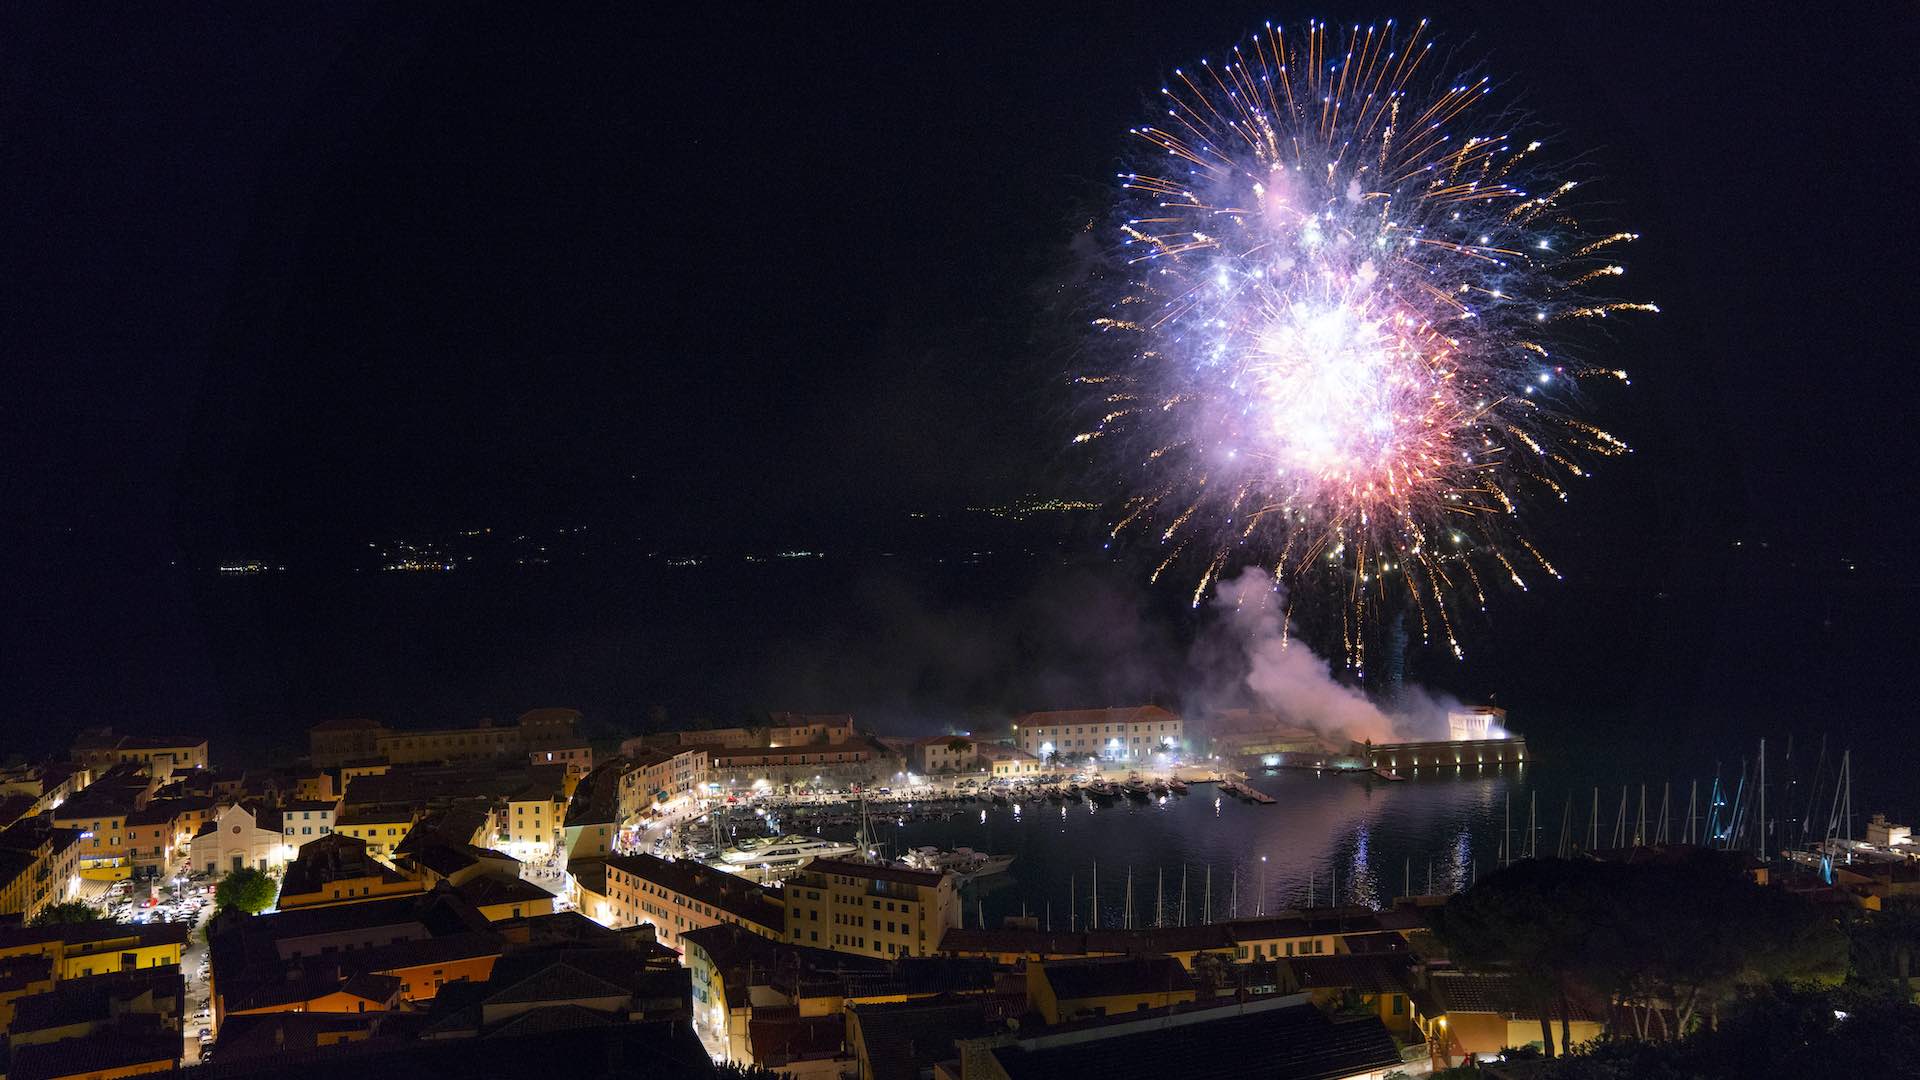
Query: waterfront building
1127	734
810	729
1318	932
1448	754
43	786
1477	723
870	909
574	755
593	818
676	896
302	821
782	768
1010	763
530	824
938	755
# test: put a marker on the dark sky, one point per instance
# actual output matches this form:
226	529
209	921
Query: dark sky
288	275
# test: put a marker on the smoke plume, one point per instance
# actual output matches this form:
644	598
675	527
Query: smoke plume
1273	671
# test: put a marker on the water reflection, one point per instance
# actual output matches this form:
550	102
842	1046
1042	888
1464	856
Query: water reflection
1366	841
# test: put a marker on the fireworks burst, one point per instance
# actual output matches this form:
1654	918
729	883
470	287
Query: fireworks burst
1345	291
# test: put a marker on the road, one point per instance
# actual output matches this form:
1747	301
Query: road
192	967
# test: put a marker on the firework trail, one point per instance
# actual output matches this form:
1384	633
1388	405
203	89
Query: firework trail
1346	295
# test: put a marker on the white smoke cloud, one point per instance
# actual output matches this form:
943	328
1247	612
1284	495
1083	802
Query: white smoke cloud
1283	676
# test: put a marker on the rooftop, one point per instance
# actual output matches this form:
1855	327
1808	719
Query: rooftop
488	890
729	892
130	1044
349	723
1289	1042
904	1040
876	871
1078	979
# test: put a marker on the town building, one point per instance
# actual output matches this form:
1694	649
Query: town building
119	1024
380	826
361	957
157	755
241	837
336	869
1124	734
78	950
332	743
44	786
39	867
1480	1015
677	896
869	908
533	730
158	835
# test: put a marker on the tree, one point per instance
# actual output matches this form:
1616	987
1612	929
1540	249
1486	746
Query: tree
1884	943
1529	921
248	890
73	911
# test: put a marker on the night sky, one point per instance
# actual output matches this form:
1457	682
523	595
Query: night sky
288	277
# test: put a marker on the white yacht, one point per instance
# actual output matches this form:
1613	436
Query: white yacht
966	862
785	851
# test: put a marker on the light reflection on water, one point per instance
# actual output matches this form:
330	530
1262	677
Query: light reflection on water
1370	840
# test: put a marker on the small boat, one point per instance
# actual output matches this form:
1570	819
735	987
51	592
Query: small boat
1159	788
1178	785
1136	788
1070	793
1054	795
1388	774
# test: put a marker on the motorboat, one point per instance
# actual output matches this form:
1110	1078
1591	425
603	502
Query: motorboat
963	861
